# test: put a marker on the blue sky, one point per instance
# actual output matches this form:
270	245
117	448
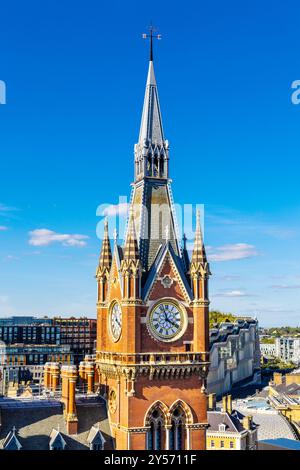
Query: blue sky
75	76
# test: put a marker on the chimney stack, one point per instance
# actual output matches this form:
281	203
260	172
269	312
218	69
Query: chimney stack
247	422
47	375
277	378
212	401
69	379
229	404
54	371
224	403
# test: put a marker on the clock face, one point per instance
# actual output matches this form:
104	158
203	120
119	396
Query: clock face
115	321
166	320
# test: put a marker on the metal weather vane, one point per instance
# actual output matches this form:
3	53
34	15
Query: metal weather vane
152	34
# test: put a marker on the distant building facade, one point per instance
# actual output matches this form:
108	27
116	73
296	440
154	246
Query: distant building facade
22	363
78	333
288	349
268	350
30	334
234	355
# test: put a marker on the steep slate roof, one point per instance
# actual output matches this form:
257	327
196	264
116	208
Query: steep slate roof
151	123
291	389
220	334
34	424
215	418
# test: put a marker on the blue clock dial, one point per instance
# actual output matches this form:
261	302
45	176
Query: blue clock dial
166	320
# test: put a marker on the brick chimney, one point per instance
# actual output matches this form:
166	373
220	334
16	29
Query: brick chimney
212	401
47	375
69	379
229	404
247	422
54	372
277	378
89	367
224	403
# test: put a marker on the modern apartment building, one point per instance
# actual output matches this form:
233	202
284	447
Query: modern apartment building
288	349
268	350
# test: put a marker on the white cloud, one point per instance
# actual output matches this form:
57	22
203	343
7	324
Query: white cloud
44	237
11	257
117	209
232	293
4	209
231	252
3	228
286	286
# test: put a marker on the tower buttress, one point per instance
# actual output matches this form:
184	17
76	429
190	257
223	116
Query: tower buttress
200	272
130	265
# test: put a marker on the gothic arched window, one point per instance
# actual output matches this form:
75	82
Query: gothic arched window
156	430
177	431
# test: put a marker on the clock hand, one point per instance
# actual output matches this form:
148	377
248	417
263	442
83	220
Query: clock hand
172	323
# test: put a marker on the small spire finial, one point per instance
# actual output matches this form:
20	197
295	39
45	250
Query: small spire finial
115	235
152	34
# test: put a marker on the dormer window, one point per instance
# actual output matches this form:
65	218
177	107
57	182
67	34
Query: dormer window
95	439
57	442
222	427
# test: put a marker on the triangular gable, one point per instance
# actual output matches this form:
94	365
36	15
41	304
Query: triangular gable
12	442
166	260
95	436
56	440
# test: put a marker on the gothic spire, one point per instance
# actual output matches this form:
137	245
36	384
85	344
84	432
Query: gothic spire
199	255
151	130
131	250
105	254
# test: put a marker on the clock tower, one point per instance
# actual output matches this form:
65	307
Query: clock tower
152	310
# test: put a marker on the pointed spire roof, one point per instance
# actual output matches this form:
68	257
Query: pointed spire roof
131	250
199	255
151	125
105	254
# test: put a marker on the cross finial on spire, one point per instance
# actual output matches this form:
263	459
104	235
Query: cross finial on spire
152	34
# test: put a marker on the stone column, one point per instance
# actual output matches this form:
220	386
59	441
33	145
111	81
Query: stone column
168	428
